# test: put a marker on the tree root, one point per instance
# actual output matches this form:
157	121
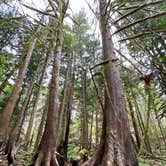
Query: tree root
95	158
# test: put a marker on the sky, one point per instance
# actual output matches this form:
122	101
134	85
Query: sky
75	6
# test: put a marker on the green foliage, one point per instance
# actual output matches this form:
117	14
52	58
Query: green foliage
5	62
4	97
72	151
69	41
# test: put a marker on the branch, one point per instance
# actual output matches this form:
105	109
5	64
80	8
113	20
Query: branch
11	19
128	61
142	34
106	8
90	7
54	8
136	6
137	9
140	20
39	11
105	62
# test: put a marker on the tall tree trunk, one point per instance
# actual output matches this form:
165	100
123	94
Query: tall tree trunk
134	125
116	145
146	131
31	121
91	129
118	148
141	123
8	110
61	127
45	155
16	130
41	126
68	109
84	112
97	126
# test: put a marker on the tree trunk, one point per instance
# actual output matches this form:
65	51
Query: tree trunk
91	129
8	110
84	111
41	126
97	126
45	155
61	127
16	130
134	125
68	112
69	93
141	123
8	75
116	146
31	121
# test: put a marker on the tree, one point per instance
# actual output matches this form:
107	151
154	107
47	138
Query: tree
116	146
8	110
46	152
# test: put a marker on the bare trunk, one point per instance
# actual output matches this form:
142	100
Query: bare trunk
8	110
45	155
141	124
91	129
117	146
61	127
41	126
30	126
69	93
97	126
14	136
68	115
134	125
84	112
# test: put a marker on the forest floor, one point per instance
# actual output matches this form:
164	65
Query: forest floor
24	159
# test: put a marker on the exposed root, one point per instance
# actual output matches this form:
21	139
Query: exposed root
94	158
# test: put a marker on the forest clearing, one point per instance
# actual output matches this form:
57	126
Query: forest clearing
82	83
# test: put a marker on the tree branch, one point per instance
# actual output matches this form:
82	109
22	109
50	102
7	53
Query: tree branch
137	9
142	34
140	20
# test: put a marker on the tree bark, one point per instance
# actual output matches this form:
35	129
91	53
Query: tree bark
41	126
31	121
84	111
69	109
8	110
91	129
16	130
45	155
61	127
134	125
97	126
117	147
